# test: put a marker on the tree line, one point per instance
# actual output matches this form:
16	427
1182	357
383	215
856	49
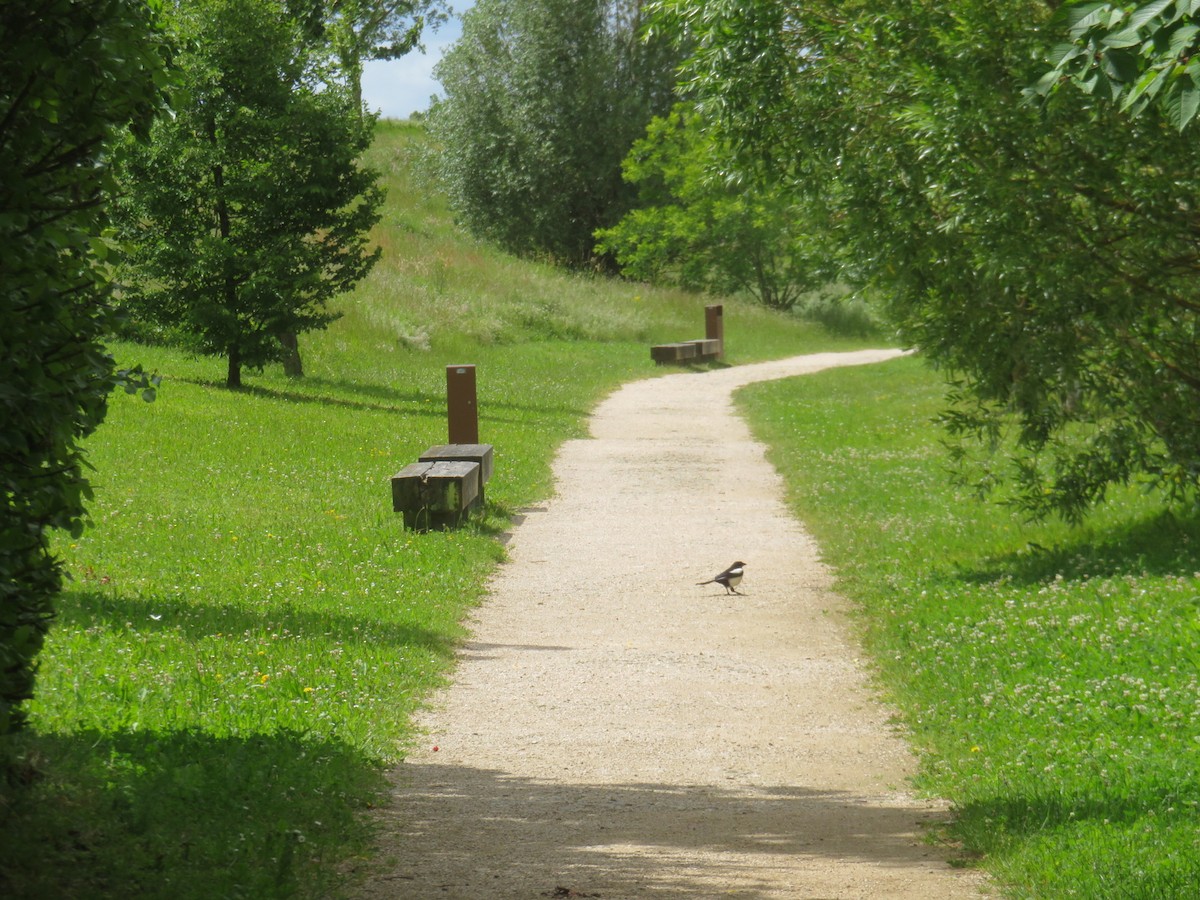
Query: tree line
1009	181
980	167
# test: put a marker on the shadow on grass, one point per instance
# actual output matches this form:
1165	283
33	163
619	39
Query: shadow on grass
688	366
378	398
1102	845
532	836
84	609
995	820
182	815
1164	543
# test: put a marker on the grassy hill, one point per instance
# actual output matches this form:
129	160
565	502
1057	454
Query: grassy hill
249	627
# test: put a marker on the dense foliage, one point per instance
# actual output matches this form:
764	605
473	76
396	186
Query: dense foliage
543	100
71	75
1139	55
248	209
1043	256
696	227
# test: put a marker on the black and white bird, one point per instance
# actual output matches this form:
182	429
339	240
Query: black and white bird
730	578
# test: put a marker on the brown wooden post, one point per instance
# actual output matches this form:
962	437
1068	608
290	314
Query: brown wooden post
714	326
461	410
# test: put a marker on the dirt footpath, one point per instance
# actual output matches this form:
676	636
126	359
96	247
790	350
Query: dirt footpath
616	731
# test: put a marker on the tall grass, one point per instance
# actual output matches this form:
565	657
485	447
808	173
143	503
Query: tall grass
249	627
1050	676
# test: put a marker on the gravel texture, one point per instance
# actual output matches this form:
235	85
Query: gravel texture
615	730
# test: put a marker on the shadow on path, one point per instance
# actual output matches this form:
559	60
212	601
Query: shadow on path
636	840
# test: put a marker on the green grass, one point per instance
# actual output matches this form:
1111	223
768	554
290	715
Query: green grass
1048	675
249	628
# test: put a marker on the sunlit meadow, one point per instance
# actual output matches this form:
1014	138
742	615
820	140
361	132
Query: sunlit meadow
248	627
1049	674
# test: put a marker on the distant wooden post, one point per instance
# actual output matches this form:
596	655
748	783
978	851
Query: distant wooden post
462	412
714	327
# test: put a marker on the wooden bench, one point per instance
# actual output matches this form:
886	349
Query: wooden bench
669	353
708	348
435	494
476	453
711	347
686	351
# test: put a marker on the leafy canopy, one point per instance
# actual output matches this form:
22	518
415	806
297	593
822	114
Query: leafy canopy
1140	56
1042	256
71	76
248	209
362	30
543	100
702	230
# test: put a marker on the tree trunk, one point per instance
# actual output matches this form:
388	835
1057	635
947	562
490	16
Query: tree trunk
293	366
356	89
233	380
352	67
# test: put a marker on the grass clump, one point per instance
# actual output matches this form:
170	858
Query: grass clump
1049	675
249	628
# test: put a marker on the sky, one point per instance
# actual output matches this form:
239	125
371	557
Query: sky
398	88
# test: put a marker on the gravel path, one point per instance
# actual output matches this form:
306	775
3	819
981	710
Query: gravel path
616	731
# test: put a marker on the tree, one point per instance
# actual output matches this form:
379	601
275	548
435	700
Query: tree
362	30
248	209
1042	256
71	75
1140	56
543	100
697	227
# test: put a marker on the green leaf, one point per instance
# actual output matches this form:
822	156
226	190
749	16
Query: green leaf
1148	12
1130	37
1044	85
1183	40
1081	19
1146	88
1063	54
1182	102
1121	66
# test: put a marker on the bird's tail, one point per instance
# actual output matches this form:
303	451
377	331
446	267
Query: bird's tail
710	581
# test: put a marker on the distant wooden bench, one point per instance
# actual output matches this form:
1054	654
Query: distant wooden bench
686	351
711	347
669	353
440	489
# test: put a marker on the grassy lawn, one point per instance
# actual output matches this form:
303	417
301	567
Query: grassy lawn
248	626
1048	675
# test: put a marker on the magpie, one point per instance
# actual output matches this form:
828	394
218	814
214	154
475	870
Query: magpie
729	579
